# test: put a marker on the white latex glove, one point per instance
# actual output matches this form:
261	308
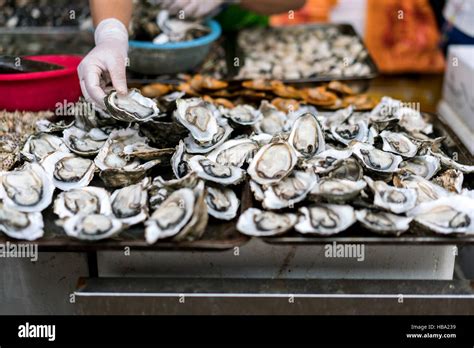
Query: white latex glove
105	62
191	8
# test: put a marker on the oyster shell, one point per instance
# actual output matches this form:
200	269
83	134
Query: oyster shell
20	225
382	222
272	163
376	160
92	227
325	161
160	189
234	152
85	201
451	180
347	132
130	203
245	115
425	166
179	161
222	134
68	171
290	190
40	145
273	120
211	171
183	216
426	190
396	200
338	190
446	215
348	169
133	107
199	117
398	143
307	137
325	219
450	163
222	203
260	223
84	143
27	189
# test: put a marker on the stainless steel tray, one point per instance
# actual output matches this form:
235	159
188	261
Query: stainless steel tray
233	50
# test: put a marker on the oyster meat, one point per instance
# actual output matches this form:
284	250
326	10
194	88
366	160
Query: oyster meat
199	117
325	219
382	222
338	190
27	189
245	115
396	200
211	171
426	190
425	166
130	203
133	107
398	143
375	159
40	145
307	137
85	201
234	152
92	227
222	203
20	225
69	171
84	143
260	223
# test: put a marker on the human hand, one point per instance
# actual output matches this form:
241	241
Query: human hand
105	62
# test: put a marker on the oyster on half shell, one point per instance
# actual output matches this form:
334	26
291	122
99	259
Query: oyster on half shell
382	222
222	203
307	137
199	117
260	223
133	107
397	200
20	225
84	143
211	171
85	201
130	203
91	226
325	219
40	145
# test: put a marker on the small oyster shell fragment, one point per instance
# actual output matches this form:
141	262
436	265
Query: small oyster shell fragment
27	189
84	143
260	223
338	190
307	137
222	203
451	180
40	145
199	117
446	215
290	190
397	200
130	203
272	163
68	171
375	159
382	222
398	143
133	107
234	152
211	171
425	166
20	225
92	227
325	219
85	201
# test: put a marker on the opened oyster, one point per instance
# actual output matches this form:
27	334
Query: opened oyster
426	190
160	189
272	163
132	107
375	159
273	120
244	115
84	143
425	166
130	203
85	201
27	189
260	223
199	117
234	152
92	227
325	219
183	216
290	190
211	171
446	215
68	171
307	137
20	225
222	203
40	145
398	143
382	222
397	200
179	161
338	190
222	134
347	169
325	161
347	132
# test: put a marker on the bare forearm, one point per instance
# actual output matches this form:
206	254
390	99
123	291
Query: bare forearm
269	7
119	9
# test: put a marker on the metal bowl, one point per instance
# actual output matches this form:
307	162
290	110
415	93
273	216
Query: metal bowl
172	57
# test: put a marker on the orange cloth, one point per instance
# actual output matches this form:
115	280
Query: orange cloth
312	11
402	36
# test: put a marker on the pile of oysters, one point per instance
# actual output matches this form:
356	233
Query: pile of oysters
172	162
